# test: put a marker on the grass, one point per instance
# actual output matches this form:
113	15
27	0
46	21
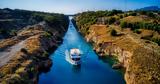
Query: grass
33	44
141	67
7	43
132	19
20	70
24	58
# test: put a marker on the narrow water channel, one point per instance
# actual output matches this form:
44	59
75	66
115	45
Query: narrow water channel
91	71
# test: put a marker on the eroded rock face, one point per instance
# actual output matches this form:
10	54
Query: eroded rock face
27	62
105	46
140	59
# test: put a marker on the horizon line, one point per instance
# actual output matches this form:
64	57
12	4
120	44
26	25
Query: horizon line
77	12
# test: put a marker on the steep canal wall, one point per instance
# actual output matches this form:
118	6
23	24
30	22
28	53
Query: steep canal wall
32	55
135	55
91	70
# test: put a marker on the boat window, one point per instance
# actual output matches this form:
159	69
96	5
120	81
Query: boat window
75	59
75	55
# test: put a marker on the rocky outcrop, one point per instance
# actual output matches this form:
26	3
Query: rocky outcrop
13	20
32	58
138	57
110	46
126	37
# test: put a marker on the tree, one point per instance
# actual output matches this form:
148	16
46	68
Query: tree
121	16
123	24
13	32
111	20
136	25
114	12
3	31
137	31
156	40
150	14
113	32
133	13
143	12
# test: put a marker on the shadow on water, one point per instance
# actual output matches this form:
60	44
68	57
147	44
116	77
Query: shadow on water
108	59
76	69
111	60
45	69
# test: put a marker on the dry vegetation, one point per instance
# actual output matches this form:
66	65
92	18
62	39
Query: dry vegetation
7	43
136	44
26	63
144	62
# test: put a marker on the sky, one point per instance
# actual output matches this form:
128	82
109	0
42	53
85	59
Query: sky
76	6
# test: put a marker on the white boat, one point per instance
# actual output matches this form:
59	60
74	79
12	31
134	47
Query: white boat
73	56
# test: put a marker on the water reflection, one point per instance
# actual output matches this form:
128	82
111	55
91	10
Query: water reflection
76	69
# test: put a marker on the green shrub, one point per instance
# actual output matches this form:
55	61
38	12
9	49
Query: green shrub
151	14
1	75
123	24
136	25
140	25
156	40
113	32
3	31
146	37
125	15
114	12
111	20
121	16
45	54
133	14
16	79
137	31
47	34
24	50
143	12
13	32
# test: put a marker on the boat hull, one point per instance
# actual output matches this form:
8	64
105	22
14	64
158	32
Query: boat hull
68	58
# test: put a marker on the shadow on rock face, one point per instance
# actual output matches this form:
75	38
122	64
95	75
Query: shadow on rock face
45	66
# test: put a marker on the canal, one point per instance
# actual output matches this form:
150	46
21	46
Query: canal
91	71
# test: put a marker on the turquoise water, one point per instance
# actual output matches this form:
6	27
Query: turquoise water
91	71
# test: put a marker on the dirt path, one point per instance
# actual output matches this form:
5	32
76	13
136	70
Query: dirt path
9	53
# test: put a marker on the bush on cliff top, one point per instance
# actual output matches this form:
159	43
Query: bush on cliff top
113	32
48	34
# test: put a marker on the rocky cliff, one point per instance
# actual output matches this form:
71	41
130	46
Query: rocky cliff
135	55
139	57
24	55
12	21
